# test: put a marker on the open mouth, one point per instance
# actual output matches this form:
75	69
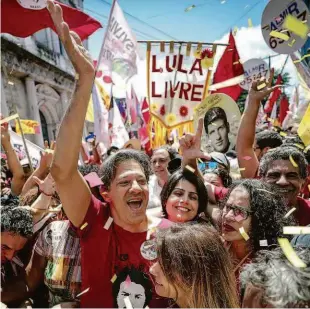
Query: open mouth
182	209
228	228
135	204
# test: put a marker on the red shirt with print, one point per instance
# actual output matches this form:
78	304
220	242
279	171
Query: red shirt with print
115	253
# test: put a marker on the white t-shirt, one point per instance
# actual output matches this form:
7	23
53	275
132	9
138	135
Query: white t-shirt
154	192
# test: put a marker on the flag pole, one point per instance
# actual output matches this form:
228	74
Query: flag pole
18	120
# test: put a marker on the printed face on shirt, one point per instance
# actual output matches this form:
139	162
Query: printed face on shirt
135	293
162	286
129	194
10	244
159	161
218	135
182	204
286	179
235	214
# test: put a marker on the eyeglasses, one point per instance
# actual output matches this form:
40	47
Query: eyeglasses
237	211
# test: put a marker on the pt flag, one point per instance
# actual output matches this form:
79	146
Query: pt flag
229	67
23	22
28	126
118	56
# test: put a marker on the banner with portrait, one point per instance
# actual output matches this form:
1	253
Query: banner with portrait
221	121
177	78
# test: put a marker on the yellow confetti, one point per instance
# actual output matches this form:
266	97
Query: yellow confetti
290	253
301	59
108	223
296	230
283	133
290	212
7	119
113	278
292	43
76	76
83	226
83	292
260	87
241	169
49	151
244	234
189	8
293	161
293	24
235	31
299	146
277	34
190	168
250	23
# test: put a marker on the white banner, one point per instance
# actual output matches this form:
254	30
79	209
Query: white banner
33	149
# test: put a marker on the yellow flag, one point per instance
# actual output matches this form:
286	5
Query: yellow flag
304	128
90	110
28	126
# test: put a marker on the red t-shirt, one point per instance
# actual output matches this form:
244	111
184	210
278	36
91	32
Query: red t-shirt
106	253
302	213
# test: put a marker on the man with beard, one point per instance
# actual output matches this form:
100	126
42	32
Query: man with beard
286	168
112	236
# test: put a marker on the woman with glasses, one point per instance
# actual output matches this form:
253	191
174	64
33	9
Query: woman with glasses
253	218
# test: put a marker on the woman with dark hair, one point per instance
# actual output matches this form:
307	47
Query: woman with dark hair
217	177
184	197
194	268
253	218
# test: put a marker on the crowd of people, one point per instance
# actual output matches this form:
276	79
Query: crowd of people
174	228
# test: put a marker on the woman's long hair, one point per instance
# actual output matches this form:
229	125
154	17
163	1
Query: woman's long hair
193	258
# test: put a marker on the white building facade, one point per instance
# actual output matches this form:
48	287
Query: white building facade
37	79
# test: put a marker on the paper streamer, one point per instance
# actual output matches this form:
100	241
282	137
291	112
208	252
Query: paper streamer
301	59
108	223
113	278
260	87
83	292
290	212
244	234
298	27
83	226
293	161
290	253
263	243
296	230
279	35
7	119
190	168
127	303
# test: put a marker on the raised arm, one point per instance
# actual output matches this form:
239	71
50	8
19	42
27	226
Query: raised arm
15	167
71	187
246	132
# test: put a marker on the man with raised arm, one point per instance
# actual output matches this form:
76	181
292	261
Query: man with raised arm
116	238
249	153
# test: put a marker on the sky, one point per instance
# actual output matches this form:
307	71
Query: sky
209	21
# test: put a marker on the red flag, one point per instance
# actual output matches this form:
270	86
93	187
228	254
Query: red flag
144	137
274	96
229	67
22	22
145	110
284	108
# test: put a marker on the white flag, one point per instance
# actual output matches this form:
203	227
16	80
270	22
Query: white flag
101	118
118	133
118	55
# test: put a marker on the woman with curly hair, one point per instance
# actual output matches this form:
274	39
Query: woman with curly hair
194	268
218	177
252	219
184	197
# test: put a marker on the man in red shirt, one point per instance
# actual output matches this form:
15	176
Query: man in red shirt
117	245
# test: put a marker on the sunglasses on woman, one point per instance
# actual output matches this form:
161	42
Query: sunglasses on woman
237	211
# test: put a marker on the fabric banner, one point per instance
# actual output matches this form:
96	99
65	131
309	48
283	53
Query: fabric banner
34	150
28	126
118	55
304	128
176	82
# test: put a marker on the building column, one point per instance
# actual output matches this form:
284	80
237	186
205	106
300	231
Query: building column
34	108
4	107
